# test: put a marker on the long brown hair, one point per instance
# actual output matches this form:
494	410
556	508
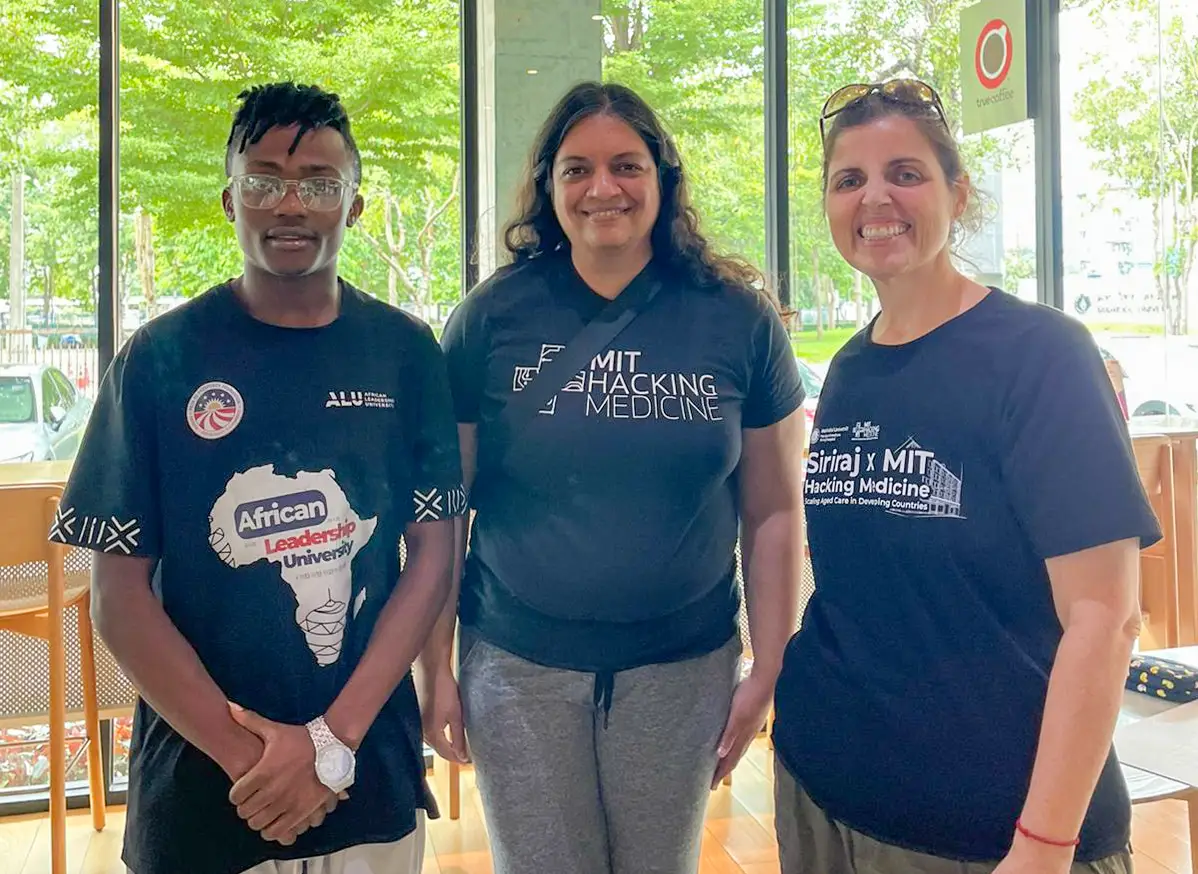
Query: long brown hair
676	238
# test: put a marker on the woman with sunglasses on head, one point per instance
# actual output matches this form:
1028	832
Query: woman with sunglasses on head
974	517
599	652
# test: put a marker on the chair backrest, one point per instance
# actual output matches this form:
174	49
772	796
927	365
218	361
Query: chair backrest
1154	462
1158	563
29	561
26	514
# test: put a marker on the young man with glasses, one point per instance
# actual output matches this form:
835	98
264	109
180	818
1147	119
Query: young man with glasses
253	460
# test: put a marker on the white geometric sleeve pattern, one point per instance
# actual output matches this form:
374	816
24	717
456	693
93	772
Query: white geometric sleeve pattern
93	532
435	504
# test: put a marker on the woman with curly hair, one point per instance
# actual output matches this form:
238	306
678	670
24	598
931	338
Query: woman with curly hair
628	404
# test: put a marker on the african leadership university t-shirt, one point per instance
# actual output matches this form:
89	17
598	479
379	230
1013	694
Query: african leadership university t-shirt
270	472
942	475
606	526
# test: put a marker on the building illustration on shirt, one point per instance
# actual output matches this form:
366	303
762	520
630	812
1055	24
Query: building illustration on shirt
943	488
306	527
945	499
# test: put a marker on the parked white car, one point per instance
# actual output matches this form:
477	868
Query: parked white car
813	384
42	415
1148	383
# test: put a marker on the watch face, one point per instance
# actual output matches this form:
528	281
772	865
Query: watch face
334	763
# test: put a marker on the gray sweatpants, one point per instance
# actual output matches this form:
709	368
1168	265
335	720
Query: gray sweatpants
567	788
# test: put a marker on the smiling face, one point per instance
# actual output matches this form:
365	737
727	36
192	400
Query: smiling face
289	239
606	193
890	206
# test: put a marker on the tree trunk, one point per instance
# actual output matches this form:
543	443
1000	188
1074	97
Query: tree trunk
425	242
859	299
16	254
1186	301
1177	295
1185	269
389	236
628	27
48	283
620	31
638	27
816	284
1186	261
1161	277
143	250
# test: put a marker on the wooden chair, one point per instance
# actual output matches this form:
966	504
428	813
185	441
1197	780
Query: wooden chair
35	592
455	791
455	768
1145	787
1158	563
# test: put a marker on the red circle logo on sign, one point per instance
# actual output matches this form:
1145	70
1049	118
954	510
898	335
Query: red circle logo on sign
993	54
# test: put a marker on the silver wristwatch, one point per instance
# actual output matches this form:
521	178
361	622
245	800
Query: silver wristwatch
335	761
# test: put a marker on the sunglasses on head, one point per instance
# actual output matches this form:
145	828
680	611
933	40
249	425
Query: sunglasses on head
908	92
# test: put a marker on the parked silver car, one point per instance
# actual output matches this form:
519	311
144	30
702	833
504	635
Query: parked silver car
42	414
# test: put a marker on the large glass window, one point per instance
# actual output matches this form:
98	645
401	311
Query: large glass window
394	63
1129	72
48	237
701	64
1129	136
48	147
834	44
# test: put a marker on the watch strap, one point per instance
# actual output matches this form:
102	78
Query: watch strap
322	736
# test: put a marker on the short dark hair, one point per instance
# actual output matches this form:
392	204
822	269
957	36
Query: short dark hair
283	104
676	238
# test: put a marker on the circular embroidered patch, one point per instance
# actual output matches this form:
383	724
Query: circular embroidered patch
214	410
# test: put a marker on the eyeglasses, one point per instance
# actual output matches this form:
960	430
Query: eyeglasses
319	193
909	92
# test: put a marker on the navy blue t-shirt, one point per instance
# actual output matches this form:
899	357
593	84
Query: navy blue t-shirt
270	472
942	474
607	539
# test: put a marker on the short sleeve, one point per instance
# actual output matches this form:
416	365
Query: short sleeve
775	389
1067	462
111	499
437	487
465	356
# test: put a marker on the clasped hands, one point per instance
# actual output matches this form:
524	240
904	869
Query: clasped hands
280	797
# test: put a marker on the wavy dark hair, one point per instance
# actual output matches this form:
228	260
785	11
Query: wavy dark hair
676	238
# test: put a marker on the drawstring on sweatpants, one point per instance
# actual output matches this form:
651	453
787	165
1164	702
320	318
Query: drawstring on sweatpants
605	685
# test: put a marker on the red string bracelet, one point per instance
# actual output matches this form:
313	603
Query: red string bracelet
1043	840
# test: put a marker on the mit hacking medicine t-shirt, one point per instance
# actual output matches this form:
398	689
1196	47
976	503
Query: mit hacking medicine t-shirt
606	539
271	473
942	474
